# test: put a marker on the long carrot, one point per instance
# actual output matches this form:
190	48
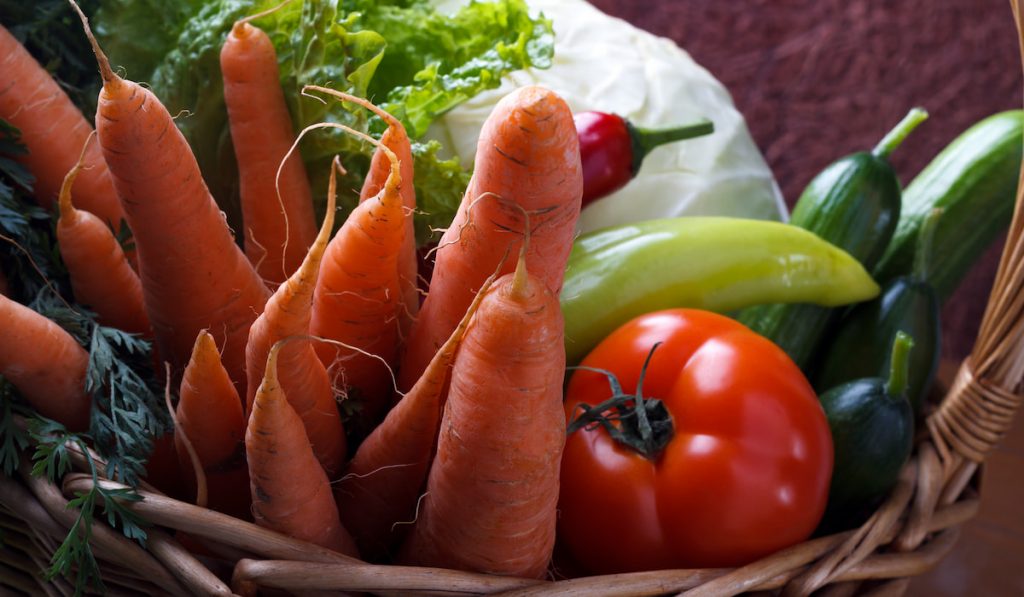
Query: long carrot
384	479
54	130
357	301
290	491
194	276
528	154
490	502
397	140
45	364
101	276
303	377
278	227
209	415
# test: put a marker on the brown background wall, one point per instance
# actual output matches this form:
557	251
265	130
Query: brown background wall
817	79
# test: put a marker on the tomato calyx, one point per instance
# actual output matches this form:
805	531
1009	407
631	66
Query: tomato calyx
641	424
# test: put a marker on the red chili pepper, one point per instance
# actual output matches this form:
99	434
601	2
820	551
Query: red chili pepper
613	149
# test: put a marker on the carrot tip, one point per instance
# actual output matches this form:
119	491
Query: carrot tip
110	78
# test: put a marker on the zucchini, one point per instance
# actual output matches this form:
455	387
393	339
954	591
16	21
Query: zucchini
872	435
861	345
854	204
974	180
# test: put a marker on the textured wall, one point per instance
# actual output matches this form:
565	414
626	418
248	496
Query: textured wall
817	79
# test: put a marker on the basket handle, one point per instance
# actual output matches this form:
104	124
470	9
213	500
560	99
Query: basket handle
979	407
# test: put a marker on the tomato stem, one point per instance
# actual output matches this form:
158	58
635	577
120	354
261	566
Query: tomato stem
641	424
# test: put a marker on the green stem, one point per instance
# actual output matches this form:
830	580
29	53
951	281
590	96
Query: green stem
641	424
925	242
644	140
899	368
895	137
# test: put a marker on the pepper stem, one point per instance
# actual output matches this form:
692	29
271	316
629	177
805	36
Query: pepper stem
895	137
925	242
899	367
644	140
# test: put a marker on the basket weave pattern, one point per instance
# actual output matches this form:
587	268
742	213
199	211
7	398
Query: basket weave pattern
909	534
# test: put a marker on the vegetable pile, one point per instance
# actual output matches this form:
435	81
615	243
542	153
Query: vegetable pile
597	392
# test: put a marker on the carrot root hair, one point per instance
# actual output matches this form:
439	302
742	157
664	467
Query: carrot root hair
260	15
340	344
65	205
202	493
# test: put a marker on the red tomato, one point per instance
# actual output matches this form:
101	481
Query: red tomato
745	473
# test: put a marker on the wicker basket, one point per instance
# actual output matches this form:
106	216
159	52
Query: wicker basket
909	534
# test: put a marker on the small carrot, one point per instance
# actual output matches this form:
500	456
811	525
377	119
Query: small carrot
384	479
492	491
45	364
303	377
194	276
528	155
277	205
101	276
53	130
290	491
358	301
209	416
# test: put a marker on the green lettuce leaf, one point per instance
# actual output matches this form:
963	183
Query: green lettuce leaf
414	61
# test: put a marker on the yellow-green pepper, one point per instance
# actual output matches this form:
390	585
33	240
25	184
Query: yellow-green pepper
719	264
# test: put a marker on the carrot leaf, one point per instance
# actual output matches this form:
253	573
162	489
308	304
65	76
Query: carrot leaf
128	409
74	556
13	439
28	253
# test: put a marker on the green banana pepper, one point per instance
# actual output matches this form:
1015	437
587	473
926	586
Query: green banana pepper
713	263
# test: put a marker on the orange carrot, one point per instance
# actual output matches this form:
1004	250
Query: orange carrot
278	227
303	377
101	276
53	130
528	154
290	491
396	139
45	364
490	502
384	479
358	299
209	414
194	276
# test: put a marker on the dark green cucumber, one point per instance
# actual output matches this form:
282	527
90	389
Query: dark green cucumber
974	180
861	344
854	204
872	434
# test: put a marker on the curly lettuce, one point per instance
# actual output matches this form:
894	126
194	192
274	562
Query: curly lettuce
412	60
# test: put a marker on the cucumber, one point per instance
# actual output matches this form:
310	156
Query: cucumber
855	205
861	344
974	179
872	434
